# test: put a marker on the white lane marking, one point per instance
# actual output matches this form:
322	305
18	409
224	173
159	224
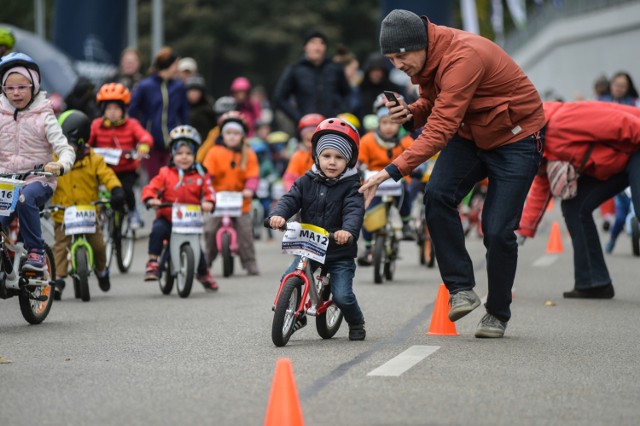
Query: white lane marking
403	362
545	260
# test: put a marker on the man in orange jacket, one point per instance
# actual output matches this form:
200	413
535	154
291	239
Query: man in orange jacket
601	142
481	110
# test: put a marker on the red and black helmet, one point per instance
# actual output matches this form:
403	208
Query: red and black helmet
337	126
233	116
310	120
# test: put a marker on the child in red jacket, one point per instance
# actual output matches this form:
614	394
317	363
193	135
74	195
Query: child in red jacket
115	130
184	182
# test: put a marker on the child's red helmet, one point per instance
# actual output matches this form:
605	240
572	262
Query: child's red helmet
310	120
340	127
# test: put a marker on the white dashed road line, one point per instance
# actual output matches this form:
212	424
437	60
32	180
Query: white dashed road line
545	260
403	362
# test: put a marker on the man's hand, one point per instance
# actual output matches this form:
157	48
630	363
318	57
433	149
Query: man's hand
371	185
277	222
53	167
207	206
399	114
342	237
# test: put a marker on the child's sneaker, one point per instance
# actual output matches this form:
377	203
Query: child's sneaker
152	271
103	280
367	257
357	331
300	323
35	261
135	221
208	282
58	287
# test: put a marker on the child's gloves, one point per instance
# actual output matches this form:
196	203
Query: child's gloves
55	168
117	198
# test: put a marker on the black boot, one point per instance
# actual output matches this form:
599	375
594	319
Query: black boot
357	331
605	292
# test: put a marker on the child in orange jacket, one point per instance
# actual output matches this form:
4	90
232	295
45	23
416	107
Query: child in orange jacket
234	167
377	149
301	161
184	182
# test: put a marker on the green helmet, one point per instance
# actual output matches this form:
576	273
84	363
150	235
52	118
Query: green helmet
76	127
7	38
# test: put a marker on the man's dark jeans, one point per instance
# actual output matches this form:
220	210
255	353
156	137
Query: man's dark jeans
590	269
510	169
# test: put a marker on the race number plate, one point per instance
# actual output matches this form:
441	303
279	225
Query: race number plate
9	194
186	219
111	155
303	239
228	204
388	187
80	220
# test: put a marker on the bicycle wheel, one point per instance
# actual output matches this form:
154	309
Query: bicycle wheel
227	257
82	271
635	236
257	214
186	272
106	226
126	241
378	258
166	280
390	259
284	317
34	310
328	323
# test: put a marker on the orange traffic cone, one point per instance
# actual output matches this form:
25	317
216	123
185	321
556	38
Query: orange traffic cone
549	206
555	239
441	325
284	407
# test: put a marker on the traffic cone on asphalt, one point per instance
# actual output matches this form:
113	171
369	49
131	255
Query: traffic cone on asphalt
555	239
549	206
283	408
441	325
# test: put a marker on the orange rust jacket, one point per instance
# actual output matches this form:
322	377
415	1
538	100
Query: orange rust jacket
469	86
375	156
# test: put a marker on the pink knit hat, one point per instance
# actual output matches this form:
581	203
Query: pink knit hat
31	75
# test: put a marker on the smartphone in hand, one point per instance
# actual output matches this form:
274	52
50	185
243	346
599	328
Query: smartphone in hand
391	97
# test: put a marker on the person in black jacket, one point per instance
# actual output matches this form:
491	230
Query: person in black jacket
202	116
327	196
315	84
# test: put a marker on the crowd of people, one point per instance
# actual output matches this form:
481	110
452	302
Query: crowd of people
183	146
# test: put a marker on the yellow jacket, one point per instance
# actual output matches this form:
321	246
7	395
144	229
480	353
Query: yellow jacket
208	143
80	185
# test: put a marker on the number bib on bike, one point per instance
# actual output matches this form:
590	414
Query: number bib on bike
186	219
111	155
228	204
303	239
9	194
263	189
80	220
388	187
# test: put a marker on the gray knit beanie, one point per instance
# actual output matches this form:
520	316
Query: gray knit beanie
402	31
336	142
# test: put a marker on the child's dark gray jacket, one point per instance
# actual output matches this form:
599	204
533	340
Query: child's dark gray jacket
331	204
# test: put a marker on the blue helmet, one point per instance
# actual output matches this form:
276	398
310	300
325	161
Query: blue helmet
18	59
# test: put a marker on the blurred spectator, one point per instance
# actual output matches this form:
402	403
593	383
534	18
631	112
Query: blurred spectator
160	103
621	90
240	90
201	113
376	80
259	95
129	73
353	74
7	41
187	67
315	84
601	87
83	98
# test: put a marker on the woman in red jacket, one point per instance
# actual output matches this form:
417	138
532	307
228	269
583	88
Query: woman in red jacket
115	130
182	182
592	152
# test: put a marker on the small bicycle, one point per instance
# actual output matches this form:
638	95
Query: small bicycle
228	205
180	255
427	252
119	236
300	293
34	289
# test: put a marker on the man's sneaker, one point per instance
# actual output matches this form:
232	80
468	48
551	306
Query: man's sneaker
208	282
357	332
58	287
604	292
152	271
490	326
134	220
300	323
367	257
462	303
35	261
408	234
103	280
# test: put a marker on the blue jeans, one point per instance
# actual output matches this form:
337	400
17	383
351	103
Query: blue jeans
35	196
161	231
342	272
623	207
510	169
590	269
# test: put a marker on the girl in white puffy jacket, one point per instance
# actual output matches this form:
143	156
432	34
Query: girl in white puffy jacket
29	135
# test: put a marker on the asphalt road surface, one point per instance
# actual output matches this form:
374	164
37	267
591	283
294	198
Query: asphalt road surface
133	356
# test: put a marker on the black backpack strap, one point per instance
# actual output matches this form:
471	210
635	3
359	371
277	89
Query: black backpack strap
587	154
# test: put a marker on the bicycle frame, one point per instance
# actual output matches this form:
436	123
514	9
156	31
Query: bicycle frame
227	226
13	280
176	241
79	240
304	272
